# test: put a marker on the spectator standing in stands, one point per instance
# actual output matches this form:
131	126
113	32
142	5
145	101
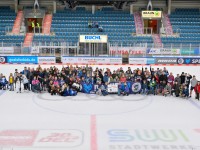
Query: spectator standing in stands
90	24
100	29
193	84
96	24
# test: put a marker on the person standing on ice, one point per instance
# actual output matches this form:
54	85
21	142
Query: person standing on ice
36	4
18	81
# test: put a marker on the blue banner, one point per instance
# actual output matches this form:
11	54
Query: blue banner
134	87
22	59
151	60
188	60
3	59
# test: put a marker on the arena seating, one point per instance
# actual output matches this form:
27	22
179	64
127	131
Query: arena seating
188	21
118	25
7	17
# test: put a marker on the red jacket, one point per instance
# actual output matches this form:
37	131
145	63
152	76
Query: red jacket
123	79
197	88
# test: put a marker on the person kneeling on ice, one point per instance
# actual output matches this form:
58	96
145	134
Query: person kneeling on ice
3	83
152	86
73	91
185	92
102	89
123	89
167	90
35	85
64	90
144	87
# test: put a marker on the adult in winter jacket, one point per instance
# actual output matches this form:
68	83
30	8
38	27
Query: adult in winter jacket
178	79
18	81
171	79
193	84
182	78
197	90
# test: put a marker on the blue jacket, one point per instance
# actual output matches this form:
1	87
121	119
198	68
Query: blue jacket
105	78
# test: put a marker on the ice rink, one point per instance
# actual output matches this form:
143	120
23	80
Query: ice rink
31	121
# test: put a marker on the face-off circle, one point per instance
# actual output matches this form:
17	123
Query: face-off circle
91	104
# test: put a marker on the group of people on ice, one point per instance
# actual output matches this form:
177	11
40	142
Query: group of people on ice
69	80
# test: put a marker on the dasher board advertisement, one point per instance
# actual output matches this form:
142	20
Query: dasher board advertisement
151	14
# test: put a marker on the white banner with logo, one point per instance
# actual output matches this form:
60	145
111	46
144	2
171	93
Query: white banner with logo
163	51
7	50
93	38
127	50
113	87
138	61
46	60
91	60
151	14
35	50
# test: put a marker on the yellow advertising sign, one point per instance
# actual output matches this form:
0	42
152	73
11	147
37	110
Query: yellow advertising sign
151	14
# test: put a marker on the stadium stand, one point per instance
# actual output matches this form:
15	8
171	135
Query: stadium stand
7	17
118	25
188	21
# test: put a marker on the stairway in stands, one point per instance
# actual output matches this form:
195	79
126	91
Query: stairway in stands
46	27
17	23
157	41
28	39
167	25
138	23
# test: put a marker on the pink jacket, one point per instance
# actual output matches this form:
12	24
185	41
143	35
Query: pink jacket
34	82
56	82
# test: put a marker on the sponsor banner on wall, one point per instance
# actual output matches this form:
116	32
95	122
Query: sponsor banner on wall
188	60
46	60
93	38
151	60
166	61
22	59
137	61
7	50
3	59
92	60
127	50
151	14
162	51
